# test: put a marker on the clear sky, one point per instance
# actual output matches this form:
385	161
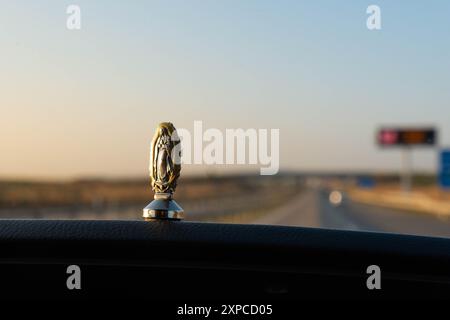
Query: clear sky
86	102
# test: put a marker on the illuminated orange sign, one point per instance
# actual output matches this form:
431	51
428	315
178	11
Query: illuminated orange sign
406	137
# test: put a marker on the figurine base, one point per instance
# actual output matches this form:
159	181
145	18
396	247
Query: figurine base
163	209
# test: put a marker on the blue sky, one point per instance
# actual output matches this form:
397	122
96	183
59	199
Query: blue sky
86	102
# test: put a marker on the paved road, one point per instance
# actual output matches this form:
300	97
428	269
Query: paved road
312	209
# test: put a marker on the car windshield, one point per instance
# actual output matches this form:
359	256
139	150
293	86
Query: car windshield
319	114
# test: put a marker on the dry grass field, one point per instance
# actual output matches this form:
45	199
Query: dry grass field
427	199
211	199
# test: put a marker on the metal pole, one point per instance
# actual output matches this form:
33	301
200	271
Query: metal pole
407	167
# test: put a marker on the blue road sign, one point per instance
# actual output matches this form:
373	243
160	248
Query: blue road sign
444	169
366	182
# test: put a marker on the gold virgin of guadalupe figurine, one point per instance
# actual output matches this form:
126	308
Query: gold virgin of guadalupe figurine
165	170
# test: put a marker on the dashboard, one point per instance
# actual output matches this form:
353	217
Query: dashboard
187	262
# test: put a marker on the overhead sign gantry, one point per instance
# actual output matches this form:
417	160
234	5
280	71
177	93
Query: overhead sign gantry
406	138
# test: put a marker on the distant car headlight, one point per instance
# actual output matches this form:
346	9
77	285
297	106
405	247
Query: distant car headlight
335	198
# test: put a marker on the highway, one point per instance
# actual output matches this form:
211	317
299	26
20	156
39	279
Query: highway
313	209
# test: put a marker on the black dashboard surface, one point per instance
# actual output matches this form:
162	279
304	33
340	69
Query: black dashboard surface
166	260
